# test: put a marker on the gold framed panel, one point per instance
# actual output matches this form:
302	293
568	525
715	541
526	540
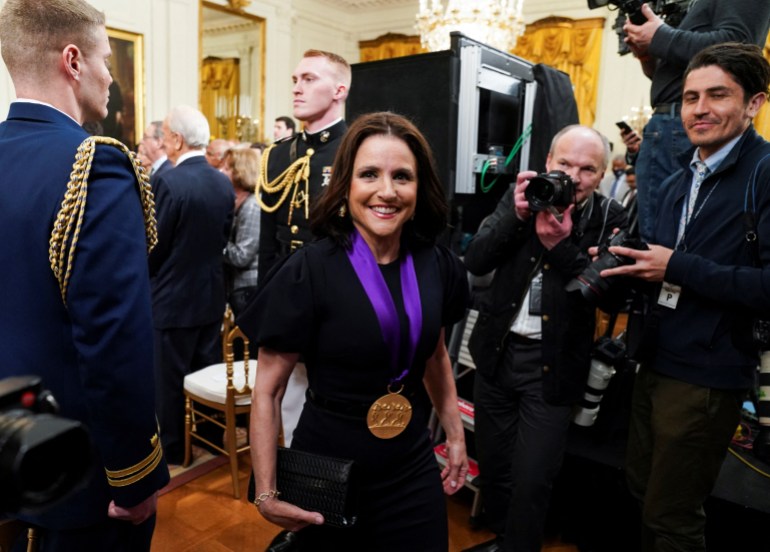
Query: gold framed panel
229	122
125	109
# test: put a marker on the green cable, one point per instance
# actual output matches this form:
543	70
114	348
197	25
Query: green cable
516	147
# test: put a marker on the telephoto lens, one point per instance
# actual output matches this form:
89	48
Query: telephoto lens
606	355
762	440
590	282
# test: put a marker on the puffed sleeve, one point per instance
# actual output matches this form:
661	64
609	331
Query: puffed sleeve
282	315
455	278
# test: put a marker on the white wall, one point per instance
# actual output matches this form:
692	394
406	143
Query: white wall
171	35
171	52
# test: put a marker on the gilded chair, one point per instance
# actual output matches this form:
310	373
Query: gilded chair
225	388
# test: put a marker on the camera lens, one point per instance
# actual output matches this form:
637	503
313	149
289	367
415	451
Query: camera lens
540	194
590	282
42	459
552	189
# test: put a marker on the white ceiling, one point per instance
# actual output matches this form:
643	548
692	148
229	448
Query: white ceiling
365	4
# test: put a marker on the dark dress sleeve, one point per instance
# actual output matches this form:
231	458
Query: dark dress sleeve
282	315
456	294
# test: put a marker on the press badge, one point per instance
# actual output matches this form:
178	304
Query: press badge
536	295
669	295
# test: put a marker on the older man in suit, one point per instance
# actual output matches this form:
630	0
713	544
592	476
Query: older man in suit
89	335
152	144
195	208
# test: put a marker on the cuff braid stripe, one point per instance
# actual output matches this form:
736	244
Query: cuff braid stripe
128	476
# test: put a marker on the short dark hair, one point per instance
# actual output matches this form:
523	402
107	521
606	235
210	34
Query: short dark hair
431	210
288	121
745	63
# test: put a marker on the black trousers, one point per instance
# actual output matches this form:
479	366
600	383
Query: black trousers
178	352
111	534
520	442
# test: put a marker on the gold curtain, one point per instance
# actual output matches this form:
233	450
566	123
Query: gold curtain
762	120
220	92
388	46
570	45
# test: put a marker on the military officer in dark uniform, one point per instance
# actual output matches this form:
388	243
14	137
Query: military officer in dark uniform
76	306
295	171
293	174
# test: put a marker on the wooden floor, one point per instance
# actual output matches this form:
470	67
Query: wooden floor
203	516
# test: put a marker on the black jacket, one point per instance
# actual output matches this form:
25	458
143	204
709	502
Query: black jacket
706	340
511	248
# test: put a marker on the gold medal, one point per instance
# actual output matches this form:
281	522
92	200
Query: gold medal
389	415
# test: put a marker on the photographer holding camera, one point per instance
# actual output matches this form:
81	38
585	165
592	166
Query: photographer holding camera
698	357
664	52
532	342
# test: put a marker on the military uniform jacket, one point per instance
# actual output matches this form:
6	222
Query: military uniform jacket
95	354
278	236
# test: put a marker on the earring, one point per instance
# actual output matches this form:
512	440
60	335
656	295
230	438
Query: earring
343	211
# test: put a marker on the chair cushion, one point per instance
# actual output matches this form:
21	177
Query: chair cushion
210	383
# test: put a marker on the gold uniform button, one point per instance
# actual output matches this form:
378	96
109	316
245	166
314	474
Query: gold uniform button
546	266
546	368
294	229
545	318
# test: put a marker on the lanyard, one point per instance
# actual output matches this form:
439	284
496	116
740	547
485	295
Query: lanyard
381	299
687	221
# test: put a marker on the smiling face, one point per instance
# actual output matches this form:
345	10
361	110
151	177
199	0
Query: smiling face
580	154
95	78
715	108
383	191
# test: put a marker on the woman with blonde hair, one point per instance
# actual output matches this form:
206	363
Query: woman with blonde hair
241	165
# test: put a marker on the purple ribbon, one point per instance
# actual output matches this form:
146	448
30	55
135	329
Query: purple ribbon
379	295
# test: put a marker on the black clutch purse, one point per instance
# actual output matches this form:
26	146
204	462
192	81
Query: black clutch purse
319	484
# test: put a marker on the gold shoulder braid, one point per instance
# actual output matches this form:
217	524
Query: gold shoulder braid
66	228
288	181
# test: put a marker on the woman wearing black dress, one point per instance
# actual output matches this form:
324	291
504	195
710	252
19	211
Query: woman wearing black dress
365	306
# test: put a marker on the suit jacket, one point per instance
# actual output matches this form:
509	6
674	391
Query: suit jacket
95	354
165	166
194	204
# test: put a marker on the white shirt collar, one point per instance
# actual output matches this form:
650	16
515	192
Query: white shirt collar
158	162
188	155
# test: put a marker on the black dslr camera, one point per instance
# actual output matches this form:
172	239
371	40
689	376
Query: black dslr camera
553	189
630	8
42	457
590	282
671	11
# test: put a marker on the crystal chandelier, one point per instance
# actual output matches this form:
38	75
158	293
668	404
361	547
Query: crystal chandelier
497	23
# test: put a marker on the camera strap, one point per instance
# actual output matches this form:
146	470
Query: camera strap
585	216
751	233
